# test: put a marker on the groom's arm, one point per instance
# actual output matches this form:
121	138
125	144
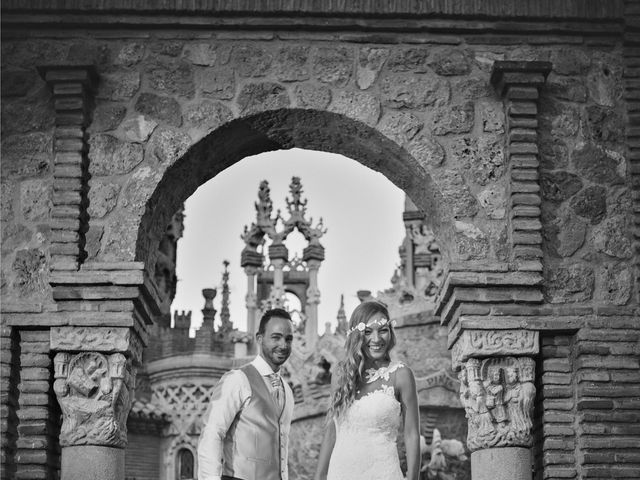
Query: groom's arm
227	400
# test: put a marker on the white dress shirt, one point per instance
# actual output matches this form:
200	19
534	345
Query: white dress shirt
229	397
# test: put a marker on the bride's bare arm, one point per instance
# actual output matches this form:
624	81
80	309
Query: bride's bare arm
406	384
325	451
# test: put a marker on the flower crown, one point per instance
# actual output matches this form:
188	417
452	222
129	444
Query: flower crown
361	326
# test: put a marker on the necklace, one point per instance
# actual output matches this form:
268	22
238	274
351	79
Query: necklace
373	374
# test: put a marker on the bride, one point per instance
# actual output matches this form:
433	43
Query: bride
371	395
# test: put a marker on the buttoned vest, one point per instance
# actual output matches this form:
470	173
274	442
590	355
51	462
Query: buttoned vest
254	446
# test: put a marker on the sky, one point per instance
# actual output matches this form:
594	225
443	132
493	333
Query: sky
361	210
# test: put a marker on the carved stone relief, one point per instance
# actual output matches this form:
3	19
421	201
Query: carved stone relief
95	393
103	339
487	343
497	395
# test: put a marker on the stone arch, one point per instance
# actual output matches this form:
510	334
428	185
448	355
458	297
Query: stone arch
285	129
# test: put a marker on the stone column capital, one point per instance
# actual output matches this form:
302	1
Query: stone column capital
95	392
498	394
107	340
493	343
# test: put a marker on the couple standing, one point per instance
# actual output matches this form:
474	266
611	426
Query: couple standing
247	426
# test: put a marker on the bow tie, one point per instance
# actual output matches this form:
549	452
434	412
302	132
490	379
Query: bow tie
276	381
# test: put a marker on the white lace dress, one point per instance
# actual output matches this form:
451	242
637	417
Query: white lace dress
365	447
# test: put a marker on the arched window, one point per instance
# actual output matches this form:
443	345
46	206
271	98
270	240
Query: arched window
185	465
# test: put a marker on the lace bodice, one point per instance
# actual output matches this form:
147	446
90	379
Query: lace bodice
365	447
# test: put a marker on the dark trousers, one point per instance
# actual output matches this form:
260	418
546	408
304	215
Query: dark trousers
226	477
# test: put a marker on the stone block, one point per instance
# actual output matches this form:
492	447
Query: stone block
560	185
130	54
109	155
218	83
33	472
590	203
165	146
107	117
596	164
611	237
17	83
607	362
138	128
569	284
163	109
333	66
34	360
172	78
451	61
30	413
413	91
118	84
359	106
370	63
258	97
26	155
207	115
291	64
35	200
400	127
34	386
414	59
250	61
204	54
453	119
103	197
312	96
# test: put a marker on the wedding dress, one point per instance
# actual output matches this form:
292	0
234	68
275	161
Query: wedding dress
365	446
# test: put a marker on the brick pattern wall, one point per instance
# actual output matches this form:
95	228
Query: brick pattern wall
554	417
607	381
38	452
9	374
588	405
142	458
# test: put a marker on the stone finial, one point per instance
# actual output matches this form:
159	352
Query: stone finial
94	392
341	328
497	395
225	316
208	312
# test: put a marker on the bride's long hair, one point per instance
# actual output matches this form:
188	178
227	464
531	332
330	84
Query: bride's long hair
349	371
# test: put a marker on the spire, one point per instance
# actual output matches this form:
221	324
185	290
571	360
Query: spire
225	316
342	318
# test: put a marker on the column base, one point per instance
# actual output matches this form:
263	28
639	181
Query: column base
506	463
92	461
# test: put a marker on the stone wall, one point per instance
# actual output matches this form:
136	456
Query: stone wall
533	197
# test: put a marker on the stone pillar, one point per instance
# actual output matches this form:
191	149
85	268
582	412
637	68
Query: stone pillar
251	261
497	392
313	255
94	382
72	88
278	256
251	300
205	334
484	306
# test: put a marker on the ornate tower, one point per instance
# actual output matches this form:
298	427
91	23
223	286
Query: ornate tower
281	275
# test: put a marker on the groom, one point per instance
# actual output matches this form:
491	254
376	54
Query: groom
246	431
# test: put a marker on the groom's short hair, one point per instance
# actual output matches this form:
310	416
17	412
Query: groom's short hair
268	315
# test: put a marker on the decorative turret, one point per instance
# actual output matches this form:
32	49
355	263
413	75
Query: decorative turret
205	334
182	321
226	326
282	275
342	325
